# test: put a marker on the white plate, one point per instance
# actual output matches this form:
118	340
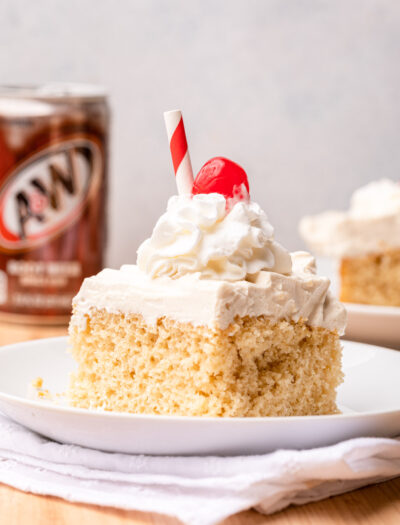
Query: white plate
379	325
370	396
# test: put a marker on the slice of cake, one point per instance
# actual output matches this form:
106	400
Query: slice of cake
366	240
216	319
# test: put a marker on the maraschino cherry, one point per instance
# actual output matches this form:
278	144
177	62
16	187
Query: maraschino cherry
220	175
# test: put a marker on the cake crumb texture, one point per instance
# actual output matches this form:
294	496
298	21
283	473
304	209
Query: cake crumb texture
371	279
252	368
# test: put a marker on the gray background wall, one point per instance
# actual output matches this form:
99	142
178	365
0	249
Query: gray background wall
303	93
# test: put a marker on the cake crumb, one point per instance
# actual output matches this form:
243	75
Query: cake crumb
37	392
38	382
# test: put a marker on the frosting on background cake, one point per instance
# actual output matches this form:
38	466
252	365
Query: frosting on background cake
372	223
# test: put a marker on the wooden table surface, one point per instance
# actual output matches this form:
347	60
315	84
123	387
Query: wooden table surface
374	505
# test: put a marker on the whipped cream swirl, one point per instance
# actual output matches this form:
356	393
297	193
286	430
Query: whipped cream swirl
200	235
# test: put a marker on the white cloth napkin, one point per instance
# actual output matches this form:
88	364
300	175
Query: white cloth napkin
197	490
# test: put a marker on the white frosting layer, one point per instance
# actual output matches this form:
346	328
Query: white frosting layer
372	223
199	235
214	302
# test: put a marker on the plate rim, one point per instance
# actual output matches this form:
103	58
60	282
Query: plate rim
372	309
53	407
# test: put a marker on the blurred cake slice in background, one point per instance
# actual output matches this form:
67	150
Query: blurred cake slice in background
366	241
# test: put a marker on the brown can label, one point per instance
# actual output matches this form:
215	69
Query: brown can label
50	237
47	193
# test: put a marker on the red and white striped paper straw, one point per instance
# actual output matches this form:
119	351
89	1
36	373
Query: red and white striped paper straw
179	151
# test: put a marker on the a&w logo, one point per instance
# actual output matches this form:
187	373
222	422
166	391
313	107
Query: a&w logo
48	192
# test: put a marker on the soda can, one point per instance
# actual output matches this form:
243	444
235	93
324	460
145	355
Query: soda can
53	195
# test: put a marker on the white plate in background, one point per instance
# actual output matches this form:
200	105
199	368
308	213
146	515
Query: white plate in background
379	325
370	397
374	324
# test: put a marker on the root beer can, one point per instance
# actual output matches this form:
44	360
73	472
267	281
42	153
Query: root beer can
53	188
